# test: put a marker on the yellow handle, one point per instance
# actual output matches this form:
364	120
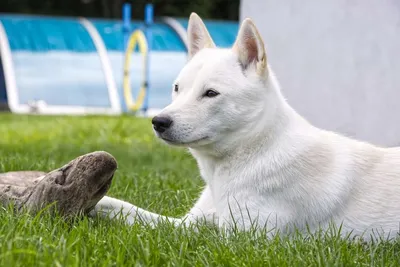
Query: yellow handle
137	37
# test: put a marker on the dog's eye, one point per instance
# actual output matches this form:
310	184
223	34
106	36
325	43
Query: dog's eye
211	93
176	88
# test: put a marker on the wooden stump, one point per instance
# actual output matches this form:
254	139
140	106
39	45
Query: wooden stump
74	188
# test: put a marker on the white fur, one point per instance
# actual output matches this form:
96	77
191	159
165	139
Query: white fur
263	164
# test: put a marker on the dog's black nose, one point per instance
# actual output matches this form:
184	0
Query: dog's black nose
161	124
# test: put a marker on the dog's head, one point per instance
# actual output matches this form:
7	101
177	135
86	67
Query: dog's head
219	92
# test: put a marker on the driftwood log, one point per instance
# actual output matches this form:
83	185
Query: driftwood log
73	189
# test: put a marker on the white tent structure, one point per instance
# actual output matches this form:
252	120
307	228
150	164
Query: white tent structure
338	61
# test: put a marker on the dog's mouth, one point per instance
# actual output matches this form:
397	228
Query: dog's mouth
183	143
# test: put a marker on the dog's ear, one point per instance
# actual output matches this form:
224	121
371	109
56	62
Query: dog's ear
198	36
249	47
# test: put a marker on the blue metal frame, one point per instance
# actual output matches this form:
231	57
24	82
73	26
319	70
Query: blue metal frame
148	19
3	92
126	21
148	22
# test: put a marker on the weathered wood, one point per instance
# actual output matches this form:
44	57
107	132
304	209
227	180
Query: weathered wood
74	188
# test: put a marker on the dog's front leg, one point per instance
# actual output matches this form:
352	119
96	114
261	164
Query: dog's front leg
203	211
112	208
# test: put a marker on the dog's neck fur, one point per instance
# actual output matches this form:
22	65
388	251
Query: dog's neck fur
269	132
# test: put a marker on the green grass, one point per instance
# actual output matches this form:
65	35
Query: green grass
152	176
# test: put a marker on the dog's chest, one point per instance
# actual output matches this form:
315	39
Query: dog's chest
267	192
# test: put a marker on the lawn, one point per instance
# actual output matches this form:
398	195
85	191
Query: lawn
153	176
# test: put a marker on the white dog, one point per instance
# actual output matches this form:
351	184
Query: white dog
264	164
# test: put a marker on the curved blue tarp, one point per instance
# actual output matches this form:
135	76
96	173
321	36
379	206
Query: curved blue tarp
164	38
56	60
34	34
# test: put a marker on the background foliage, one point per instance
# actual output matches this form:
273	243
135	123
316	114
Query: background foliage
211	9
